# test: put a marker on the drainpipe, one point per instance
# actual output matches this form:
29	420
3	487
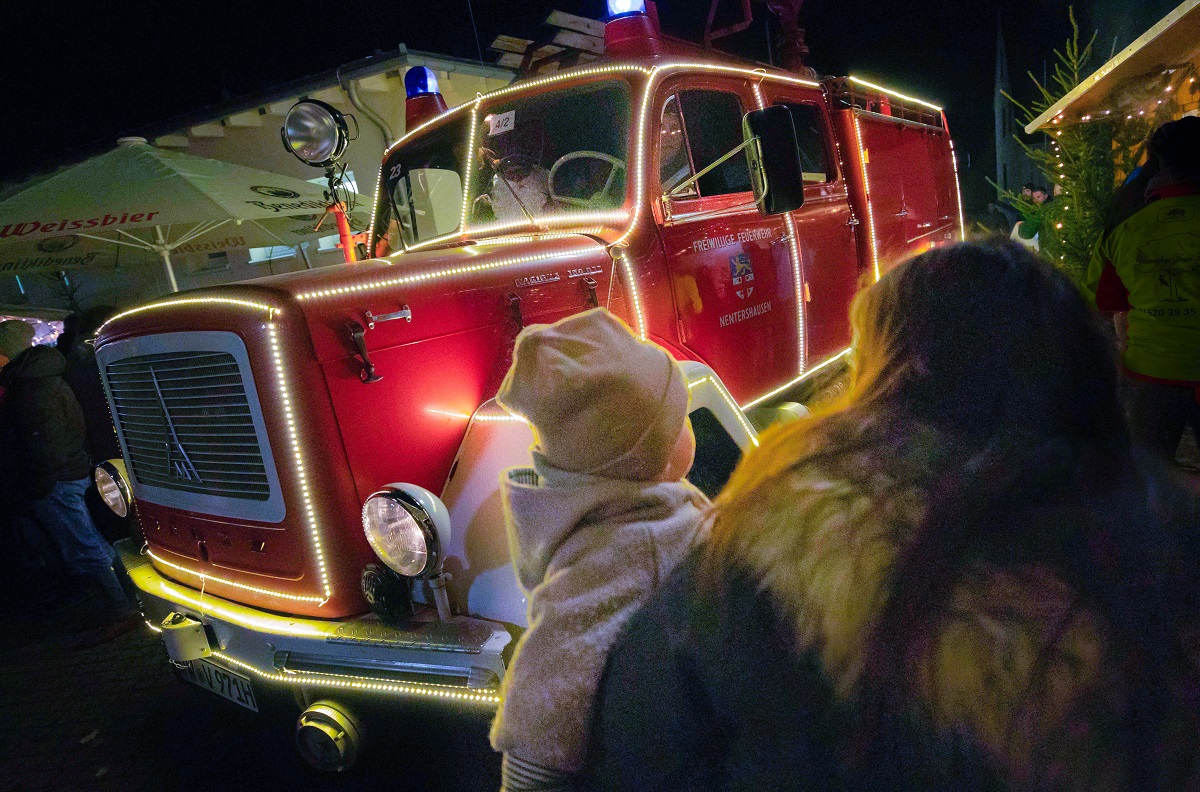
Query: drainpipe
351	89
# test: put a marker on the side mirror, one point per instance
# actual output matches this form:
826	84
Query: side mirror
774	157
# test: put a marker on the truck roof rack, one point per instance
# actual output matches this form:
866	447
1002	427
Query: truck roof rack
847	92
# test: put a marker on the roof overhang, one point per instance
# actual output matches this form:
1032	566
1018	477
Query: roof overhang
1171	42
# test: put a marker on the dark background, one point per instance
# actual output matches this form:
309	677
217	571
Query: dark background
75	79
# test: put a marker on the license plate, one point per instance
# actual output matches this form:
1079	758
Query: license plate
224	683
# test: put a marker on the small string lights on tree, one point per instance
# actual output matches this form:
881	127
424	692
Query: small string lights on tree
1089	151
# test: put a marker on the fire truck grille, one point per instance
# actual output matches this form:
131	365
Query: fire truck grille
187	424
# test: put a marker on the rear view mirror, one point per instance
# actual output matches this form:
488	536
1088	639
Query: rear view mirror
774	158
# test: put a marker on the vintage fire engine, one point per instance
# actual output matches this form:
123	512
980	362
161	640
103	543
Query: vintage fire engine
312	460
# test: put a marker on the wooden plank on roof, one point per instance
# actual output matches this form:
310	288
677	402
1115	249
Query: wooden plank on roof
519	45
280	108
579	41
510	60
171	141
589	27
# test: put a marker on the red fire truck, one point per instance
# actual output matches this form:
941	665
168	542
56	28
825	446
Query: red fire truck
312	460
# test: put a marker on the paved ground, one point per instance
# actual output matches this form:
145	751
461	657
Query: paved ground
114	717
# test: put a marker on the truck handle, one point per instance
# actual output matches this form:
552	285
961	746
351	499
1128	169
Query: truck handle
358	335
853	221
592	299
514	305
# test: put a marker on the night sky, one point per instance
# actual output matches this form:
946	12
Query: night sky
73	80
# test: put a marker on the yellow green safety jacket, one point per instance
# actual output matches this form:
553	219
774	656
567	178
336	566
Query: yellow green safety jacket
1149	264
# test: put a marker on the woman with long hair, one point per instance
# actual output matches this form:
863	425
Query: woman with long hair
962	576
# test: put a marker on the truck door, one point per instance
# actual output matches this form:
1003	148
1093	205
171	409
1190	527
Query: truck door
824	227
730	266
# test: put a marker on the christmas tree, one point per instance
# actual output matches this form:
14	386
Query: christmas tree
1083	159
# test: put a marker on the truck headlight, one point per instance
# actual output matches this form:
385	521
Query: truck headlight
402	533
114	491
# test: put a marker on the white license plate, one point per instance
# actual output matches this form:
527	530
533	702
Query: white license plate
224	683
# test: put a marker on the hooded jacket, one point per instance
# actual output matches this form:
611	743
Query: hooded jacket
588	552
746	677
43	423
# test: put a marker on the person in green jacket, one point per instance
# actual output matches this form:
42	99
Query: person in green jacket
1149	266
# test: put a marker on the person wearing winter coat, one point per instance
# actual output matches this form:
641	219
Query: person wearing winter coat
1148	265
43	431
961	577
597	523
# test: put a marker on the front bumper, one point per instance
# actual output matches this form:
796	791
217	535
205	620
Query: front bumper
456	661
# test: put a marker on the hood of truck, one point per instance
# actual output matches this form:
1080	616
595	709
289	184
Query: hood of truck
437	328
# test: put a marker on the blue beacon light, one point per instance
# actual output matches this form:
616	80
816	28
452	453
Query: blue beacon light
420	81
620	8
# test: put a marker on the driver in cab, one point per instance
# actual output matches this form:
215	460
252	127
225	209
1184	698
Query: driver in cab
517	184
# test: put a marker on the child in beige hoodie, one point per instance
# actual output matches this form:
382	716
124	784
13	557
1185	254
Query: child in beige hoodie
598	522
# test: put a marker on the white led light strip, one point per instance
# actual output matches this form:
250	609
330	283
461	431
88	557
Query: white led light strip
635	297
466	417
862	161
782	388
242	586
737	411
797	271
310	512
418	277
348	682
896	94
189	301
962	229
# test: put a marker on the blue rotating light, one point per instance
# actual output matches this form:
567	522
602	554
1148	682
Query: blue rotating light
420	81
620	8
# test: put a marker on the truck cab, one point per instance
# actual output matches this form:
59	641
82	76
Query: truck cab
266	426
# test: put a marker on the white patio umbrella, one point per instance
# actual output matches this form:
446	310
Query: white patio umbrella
158	200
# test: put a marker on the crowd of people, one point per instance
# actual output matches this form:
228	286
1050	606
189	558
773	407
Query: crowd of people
976	570
50	443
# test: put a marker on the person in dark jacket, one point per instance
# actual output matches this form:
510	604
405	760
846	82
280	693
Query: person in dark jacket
963	577
82	374
43	430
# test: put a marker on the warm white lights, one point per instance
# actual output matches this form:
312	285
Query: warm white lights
737	411
862	161
310	512
786	386
635	298
366	684
896	94
446	272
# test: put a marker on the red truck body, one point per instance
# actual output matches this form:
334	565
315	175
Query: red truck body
251	428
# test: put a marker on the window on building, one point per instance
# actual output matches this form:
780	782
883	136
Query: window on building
261	254
814	150
713	127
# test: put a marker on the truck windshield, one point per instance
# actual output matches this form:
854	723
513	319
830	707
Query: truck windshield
422	188
550	154
553	153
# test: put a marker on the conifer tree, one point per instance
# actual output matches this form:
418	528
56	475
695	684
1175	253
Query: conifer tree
1082	159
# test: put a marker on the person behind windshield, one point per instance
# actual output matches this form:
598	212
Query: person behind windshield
961	578
517	183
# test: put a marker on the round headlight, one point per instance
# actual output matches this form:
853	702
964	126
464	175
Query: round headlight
113	489
315	132
400	533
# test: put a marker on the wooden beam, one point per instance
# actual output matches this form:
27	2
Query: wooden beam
589	27
579	41
280	108
376	83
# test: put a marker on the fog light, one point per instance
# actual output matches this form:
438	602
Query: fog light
328	737
114	491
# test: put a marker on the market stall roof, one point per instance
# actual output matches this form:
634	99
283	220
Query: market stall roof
1174	40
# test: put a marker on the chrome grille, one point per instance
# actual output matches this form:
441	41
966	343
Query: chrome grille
187	423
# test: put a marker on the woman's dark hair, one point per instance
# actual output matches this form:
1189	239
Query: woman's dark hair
997	351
